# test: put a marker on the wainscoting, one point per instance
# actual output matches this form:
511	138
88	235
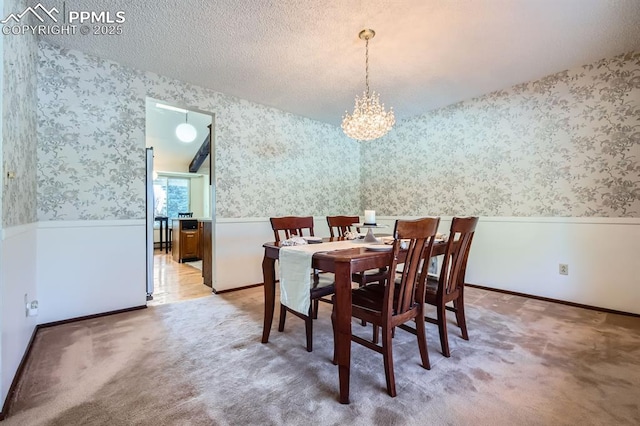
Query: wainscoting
508	253
89	267
18	277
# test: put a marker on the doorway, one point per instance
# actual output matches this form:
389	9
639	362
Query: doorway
180	202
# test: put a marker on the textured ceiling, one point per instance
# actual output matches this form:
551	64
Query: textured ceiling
305	56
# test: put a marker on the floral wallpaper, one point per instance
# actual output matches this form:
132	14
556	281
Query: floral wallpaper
91	146
567	145
19	112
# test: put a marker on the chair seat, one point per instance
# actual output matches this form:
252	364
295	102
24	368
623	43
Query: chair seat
432	284
324	287
371	272
373	275
432	289
370	297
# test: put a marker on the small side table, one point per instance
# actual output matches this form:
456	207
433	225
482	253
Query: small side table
164	227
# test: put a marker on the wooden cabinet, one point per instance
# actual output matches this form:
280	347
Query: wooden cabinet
189	244
192	241
186	240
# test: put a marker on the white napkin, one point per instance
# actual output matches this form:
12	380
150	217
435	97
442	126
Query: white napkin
294	241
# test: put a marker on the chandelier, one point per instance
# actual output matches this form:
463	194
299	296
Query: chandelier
369	119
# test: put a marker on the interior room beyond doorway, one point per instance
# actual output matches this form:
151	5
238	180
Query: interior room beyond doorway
181	187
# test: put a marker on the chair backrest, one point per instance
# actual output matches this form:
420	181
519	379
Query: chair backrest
456	255
291	225
341	224
421	235
186	214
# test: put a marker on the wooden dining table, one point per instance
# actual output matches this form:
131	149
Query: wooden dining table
342	263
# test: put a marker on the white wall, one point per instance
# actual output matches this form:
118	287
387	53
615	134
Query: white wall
523	255
239	252
515	254
18	109
197	196
18	275
89	267
3	388
206	197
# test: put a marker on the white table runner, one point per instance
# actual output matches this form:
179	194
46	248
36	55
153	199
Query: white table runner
295	272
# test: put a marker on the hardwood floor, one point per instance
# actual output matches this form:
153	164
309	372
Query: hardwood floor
175	281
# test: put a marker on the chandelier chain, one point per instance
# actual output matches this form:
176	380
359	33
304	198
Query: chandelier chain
366	77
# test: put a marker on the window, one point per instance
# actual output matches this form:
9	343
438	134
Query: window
171	196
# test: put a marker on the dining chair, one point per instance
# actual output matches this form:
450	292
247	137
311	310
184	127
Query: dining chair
338	225
449	286
321	284
389	306
291	226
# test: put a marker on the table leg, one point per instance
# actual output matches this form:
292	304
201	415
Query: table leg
343	327
161	229
269	277
166	236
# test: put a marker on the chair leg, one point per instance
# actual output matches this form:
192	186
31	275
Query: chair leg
362	283
387	354
334	361
376	334
308	326
442	328
283	315
458	304
422	341
316	306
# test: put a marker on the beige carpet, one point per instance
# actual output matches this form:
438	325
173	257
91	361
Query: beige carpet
201	362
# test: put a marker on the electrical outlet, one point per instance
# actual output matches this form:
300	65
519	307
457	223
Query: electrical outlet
563	269
33	308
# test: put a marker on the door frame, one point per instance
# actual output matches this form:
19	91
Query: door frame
212	189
